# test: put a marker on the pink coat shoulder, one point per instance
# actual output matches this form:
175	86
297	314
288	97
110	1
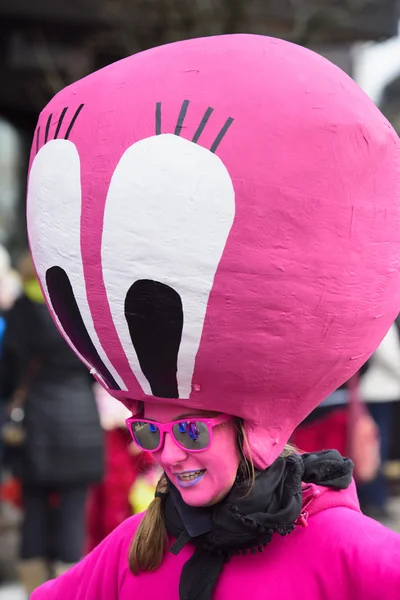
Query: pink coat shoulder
359	556
340	554
100	575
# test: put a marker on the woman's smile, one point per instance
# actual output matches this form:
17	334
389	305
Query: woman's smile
189	478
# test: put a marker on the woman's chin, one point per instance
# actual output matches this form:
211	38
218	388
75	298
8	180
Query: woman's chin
197	501
197	497
194	497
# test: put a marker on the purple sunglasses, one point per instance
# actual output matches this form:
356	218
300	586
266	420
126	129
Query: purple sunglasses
194	435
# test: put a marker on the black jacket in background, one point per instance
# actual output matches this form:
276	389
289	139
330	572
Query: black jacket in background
64	440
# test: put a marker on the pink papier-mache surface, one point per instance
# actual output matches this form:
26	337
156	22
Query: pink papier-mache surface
276	218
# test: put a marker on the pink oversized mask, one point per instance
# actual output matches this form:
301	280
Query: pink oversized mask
216	223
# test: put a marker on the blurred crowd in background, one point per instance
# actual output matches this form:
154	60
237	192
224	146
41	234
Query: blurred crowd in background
68	471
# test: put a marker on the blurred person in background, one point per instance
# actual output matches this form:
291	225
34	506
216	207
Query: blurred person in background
343	422
4	269
10	283
328	426
325	427
62	451
380	389
110	500
10	288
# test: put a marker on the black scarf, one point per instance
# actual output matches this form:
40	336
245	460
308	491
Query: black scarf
240	522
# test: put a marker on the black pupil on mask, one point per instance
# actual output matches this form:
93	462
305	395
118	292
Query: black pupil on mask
67	310
154	314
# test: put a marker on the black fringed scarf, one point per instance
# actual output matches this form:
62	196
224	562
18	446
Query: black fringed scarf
242	523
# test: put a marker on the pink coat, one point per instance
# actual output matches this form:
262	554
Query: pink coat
339	554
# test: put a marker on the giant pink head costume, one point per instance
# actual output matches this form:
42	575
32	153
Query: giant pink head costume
217	222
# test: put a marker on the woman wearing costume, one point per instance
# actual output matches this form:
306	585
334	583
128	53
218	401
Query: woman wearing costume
205	218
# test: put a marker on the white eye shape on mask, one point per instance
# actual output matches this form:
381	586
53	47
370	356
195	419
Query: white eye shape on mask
169	210
54	214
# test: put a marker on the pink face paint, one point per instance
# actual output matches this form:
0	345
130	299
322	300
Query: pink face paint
203	478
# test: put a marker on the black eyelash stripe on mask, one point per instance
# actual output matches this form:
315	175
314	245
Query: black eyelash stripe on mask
158	118
181	118
59	124
221	134
60	120
37	139
154	314
78	110
46	136
67	310
202	125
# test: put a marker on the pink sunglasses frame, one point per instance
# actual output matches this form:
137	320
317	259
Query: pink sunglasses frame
168	428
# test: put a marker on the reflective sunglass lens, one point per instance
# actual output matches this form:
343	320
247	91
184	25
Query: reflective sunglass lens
193	432
147	435
192	435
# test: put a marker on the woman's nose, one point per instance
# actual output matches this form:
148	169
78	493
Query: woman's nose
171	453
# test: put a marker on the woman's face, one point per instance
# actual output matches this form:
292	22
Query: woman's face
217	466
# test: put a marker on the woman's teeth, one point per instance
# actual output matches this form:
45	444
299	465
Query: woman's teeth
191	475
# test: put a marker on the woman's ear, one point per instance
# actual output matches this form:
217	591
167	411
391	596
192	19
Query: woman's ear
260	446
